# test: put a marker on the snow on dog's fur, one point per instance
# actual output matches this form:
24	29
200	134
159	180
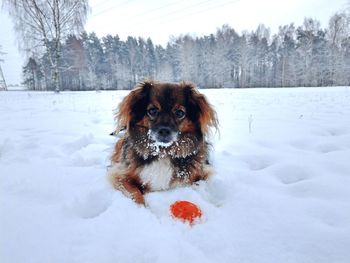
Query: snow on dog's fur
164	145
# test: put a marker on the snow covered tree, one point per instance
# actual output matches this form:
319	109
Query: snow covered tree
45	24
172	51
164	68
32	75
305	47
150	59
74	64
96	62
263	35
186	56
244	59
337	35
273	62
287	56
226	56
110	46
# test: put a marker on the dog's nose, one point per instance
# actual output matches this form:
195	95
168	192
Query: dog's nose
164	131
164	134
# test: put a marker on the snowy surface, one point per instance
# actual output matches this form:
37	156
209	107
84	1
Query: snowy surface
281	192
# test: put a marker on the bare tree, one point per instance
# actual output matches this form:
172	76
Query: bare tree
45	23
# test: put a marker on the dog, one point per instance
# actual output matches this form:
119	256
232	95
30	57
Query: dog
164	144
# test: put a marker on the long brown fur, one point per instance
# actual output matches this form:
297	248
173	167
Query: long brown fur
137	150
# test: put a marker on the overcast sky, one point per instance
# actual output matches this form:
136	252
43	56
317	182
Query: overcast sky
159	19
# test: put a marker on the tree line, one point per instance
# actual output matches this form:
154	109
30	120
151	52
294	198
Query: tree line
307	55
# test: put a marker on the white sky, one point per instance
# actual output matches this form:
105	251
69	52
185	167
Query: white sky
159	19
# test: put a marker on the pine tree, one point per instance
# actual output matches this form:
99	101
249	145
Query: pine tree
32	75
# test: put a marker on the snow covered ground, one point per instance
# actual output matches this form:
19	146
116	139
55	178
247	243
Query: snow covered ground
281	192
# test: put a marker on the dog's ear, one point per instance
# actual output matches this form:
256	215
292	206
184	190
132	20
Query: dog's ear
202	109
134	105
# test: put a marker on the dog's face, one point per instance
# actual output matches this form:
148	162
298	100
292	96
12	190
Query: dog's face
165	121
166	114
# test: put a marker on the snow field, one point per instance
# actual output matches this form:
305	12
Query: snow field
280	193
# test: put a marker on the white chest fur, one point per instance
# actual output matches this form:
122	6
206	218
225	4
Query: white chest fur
157	174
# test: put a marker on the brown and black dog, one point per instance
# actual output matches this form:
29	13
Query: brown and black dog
164	144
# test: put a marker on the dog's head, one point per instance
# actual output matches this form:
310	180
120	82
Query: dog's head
164	113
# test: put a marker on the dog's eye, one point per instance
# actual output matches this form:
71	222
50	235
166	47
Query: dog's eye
180	114
152	112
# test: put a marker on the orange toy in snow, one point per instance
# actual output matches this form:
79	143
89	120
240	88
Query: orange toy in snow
185	211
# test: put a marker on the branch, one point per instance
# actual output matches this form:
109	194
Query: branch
43	20
69	14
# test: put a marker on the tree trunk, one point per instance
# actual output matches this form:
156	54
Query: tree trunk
56	74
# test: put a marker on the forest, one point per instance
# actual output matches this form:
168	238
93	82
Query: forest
296	56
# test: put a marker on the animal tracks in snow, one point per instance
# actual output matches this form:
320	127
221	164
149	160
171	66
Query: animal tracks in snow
90	204
334	131
290	173
257	162
78	144
321	145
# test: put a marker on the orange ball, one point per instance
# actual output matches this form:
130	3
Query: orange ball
185	211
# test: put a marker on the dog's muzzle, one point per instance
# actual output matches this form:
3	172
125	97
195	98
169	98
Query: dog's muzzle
164	134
